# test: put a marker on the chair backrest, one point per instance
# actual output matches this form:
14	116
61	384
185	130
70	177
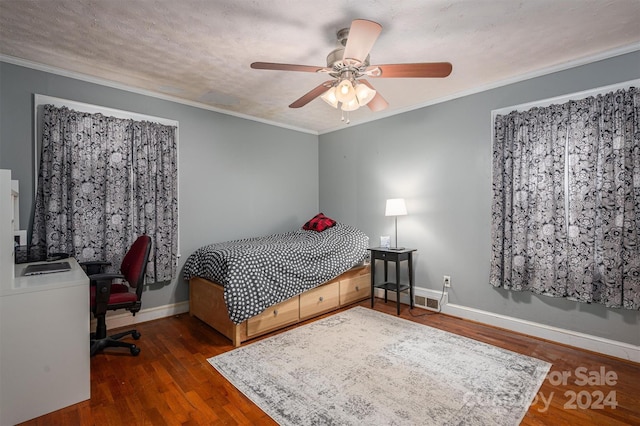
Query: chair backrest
134	264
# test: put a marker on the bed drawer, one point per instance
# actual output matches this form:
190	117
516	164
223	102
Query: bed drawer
276	316
354	289
319	300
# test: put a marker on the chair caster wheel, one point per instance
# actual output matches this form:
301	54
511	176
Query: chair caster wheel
135	351
136	335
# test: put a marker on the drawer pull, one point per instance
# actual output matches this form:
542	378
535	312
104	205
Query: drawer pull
321	299
357	288
275	312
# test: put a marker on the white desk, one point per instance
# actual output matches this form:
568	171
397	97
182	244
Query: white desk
44	343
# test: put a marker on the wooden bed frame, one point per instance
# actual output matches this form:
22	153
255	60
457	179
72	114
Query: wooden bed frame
206	302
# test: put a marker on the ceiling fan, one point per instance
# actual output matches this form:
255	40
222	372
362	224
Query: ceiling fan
349	63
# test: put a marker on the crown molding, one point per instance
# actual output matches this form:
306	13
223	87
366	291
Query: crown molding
504	82
109	83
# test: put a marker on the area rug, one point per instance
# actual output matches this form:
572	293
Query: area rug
363	367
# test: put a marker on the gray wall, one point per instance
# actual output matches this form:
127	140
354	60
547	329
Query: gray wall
237	178
439	159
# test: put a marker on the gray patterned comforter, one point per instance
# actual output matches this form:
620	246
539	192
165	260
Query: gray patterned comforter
259	272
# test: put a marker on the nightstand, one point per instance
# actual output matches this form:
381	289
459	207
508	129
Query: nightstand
397	256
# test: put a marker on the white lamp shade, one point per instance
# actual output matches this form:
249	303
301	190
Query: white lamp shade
364	94
345	92
330	97
395	207
352	105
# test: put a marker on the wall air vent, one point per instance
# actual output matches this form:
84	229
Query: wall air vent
427	302
433	304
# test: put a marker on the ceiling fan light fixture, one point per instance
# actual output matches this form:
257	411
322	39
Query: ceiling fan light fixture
352	105
345	91
364	94
349	64
330	97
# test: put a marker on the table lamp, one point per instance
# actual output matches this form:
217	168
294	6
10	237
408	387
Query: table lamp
396	207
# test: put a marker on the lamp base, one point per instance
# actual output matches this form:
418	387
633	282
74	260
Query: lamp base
396	248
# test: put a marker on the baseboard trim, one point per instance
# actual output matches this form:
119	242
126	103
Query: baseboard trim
585	341
116	319
576	339
579	340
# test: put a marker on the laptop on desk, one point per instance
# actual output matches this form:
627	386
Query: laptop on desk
47	268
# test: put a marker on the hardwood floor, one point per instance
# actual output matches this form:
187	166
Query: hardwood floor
171	382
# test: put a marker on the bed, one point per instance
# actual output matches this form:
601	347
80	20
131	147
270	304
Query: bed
248	287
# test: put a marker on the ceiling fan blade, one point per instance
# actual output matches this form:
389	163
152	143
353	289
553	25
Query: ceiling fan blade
419	70
362	35
378	103
287	67
311	95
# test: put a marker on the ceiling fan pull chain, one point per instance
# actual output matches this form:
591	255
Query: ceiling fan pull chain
342	118
348	119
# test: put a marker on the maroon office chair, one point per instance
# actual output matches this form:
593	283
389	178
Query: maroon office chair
108	296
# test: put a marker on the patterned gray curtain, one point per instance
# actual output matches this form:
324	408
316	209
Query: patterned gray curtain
529	248
604	195
566	200
155	211
94	193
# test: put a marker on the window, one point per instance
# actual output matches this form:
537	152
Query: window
566	199
102	181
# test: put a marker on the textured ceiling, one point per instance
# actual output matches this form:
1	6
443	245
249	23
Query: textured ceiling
200	50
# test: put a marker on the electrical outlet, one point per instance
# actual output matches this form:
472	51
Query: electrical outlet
447	281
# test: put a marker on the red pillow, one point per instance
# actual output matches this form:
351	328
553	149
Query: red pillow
319	223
